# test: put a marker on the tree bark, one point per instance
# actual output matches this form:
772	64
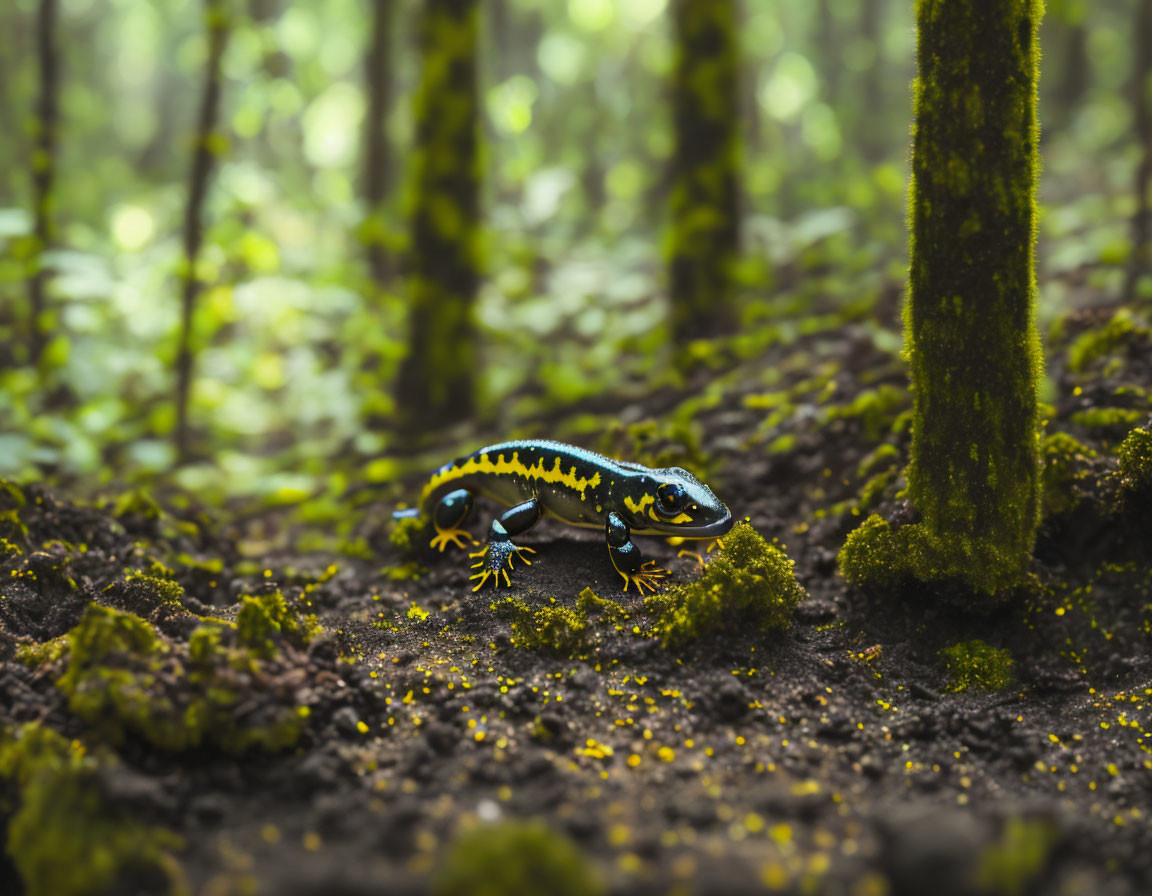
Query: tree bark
435	385
377	150
204	154
43	174
705	227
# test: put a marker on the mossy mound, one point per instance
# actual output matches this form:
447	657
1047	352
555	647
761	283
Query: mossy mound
265	619
749	587
1135	457
515	858
125	680
881	557
553	629
977	666
1123	332
63	837
1066	463
142	594
404	532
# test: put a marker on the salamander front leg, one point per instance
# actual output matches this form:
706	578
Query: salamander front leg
626	556
447	517
499	552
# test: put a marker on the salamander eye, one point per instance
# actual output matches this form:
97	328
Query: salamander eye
670	498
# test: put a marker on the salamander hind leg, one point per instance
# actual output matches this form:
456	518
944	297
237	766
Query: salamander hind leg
626	557
447	517
495	560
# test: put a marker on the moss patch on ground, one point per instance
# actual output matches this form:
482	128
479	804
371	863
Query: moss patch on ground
125	680
882	557
63	837
553	629
1065	462
515	858
749	587
978	666
1135	457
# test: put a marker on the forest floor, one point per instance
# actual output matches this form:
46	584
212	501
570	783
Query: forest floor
836	756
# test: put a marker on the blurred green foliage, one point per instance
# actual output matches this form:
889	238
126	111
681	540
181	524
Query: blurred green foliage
578	132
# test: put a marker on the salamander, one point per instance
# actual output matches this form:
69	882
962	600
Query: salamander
534	479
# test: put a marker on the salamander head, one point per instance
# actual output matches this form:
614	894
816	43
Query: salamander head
683	505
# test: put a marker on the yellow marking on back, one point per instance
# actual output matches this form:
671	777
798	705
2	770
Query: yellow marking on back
513	467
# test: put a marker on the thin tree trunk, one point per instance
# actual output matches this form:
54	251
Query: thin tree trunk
870	118
207	147
829	52
377	150
43	173
1141	74
705	201
435	384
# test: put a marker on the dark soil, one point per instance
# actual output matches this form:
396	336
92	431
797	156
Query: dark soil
827	758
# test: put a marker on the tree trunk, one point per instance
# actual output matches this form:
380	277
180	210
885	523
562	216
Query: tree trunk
970	322
377	150
705	227
435	383
43	176
208	145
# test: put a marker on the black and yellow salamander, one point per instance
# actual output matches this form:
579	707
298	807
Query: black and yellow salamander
578	487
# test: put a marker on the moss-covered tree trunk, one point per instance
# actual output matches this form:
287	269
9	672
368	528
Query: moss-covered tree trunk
705	227
207	146
969	320
377	150
434	386
46	124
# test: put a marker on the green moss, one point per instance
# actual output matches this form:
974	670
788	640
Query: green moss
123	679
12	501
1121	331
1014	865
404	572
882	458
264	618
515	858
977	666
749	587
873	490
970	330
404	530
591	604
141	593
50	566
553	629
704	237
37	655
880	558
876	409
1065	463
138	504
1108	420
1135	457
64	839
667	442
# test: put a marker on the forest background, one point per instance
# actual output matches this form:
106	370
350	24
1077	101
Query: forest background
299	326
